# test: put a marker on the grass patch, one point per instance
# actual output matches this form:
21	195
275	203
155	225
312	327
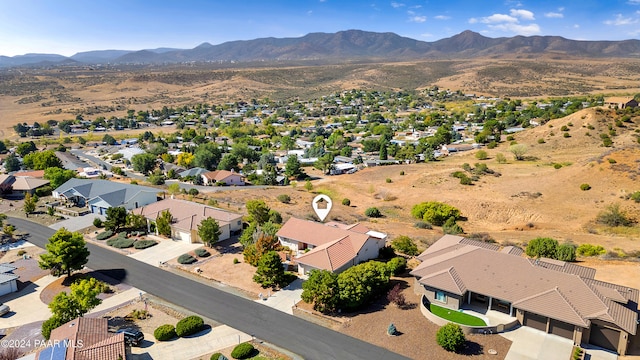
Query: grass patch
330	193
456	316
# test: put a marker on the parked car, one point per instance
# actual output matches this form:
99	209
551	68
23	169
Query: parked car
4	309
132	337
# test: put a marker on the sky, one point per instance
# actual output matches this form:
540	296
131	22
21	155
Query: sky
69	26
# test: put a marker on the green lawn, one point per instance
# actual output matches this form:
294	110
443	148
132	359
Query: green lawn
456	316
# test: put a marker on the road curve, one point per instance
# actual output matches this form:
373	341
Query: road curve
306	339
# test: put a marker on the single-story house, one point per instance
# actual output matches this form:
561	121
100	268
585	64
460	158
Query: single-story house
332	246
26	184
620	102
5	182
187	215
129	152
8	281
84	339
195	172
553	296
99	195
70	161
222	176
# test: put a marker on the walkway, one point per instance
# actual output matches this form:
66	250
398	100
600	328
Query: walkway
532	344
284	299
164	251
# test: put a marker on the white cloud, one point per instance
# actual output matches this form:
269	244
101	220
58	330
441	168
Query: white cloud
556	15
442	17
576	26
473	21
522	14
633	2
530	29
396	5
621	20
498	18
309	12
418	19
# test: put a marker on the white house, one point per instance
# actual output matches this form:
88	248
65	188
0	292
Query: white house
8	281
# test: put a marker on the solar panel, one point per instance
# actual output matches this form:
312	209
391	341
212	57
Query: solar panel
57	351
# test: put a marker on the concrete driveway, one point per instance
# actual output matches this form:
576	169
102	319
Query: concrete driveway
532	344
285	299
77	223
164	251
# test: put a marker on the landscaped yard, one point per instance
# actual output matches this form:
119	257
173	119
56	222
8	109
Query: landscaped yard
456	316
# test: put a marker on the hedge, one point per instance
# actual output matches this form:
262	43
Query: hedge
242	351
143	244
218	356
397	265
120	243
186	259
104	235
202	253
164	332
189	325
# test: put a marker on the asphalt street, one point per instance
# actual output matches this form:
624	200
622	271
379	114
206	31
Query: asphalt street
301	337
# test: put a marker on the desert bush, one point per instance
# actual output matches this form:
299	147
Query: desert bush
138	314
450	337
635	196
566	252
402	173
397	265
21	252
613	216
164	332
566	135
590	250
143	244
97	222
186	259
541	141
120	243
346	202
557	166
44	191
423	225
104	235
373	212
481	155
242	351
482	236
564	128
218	356
612	161
542	247
284	198
585	187
500	158
404	245
388	180
202	253
189	325
434	212
451	227
492	145
236	261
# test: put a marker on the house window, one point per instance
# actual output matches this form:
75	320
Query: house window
239	222
440	296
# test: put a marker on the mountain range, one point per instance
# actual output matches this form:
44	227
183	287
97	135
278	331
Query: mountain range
346	45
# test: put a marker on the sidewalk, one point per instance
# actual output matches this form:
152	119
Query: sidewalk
117	300
285	299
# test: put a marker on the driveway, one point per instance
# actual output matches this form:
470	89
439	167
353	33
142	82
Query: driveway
532	344
77	223
285	299
164	251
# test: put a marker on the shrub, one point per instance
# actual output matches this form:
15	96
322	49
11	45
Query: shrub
435	212
613	216
635	196
492	145
451	227
541	141
236	261
284	198
143	244
193	192
566	252
397	265
346	202
202	253
500	158
104	235
423	225
388	180
612	161
481	155
218	356
373	212
590	250
44	191
450	337
242	351
542	247
186	259
403	244
386	252
557	166
395	296
567	135
21	252
120	243
189	325
164	332
402	173
97	222
585	187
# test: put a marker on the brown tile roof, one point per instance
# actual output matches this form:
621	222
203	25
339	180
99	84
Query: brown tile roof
316	234
89	339
32	173
28	183
331	256
219	175
565	292
110	348
187	215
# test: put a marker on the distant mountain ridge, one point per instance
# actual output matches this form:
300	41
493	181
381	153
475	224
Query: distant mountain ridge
344	45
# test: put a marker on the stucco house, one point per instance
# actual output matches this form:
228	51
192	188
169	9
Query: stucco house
187	215
332	246
549	295
8	281
222	176
99	195
620	102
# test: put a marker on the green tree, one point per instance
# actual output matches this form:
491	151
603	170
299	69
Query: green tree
308	185
144	163
404	245
435	212
450	337
108	139
136	222
30	203
229	162
258	211
209	231
451	227
173	189
207	156
360	283
542	247
25	148
66	252
41	160
321	289
116	218
383	151
270	272
58	176
566	252
518	151
293	169
11	163
163	223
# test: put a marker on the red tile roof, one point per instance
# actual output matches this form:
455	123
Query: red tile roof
89	339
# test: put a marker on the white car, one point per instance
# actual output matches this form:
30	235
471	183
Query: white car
4	309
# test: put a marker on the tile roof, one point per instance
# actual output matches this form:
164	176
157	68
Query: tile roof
219	175
187	215
563	291
331	256
91	338
28	183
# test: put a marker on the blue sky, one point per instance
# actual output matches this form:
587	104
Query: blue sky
69	26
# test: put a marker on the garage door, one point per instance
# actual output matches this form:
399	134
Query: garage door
535	321
604	337
561	329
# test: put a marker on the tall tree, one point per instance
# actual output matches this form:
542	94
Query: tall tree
116	218
11	163
209	231
163	223
42	160
207	156
258	211
30	203
270	272
58	176
293	167
66	252
143	163
321	289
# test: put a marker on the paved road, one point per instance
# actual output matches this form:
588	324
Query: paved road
294	334
99	163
